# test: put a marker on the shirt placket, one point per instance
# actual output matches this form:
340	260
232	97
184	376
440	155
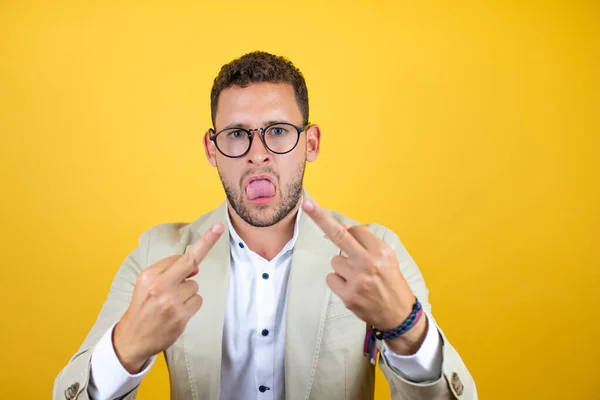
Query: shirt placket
266	294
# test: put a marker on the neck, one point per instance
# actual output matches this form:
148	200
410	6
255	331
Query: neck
268	241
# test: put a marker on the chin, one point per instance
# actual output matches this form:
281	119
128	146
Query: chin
263	210
262	215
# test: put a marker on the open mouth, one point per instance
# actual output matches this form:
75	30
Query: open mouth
260	189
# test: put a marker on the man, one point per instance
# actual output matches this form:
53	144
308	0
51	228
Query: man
269	296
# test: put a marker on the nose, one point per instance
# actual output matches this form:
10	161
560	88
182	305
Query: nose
258	153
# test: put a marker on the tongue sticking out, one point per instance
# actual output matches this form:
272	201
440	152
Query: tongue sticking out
260	188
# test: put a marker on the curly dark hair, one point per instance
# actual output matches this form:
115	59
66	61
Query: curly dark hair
255	67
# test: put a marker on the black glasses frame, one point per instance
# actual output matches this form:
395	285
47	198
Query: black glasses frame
262	131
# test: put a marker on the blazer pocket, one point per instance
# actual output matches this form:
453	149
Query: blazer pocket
336	308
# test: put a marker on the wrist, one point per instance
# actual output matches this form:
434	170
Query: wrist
410	342
127	355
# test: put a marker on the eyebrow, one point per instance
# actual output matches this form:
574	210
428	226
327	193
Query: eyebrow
246	126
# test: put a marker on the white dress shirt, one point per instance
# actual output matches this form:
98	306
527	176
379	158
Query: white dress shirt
253	336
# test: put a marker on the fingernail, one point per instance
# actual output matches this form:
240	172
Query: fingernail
217	228
308	205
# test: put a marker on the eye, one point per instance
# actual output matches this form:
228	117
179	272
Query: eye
278	130
236	134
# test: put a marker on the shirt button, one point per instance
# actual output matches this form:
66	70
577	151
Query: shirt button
265	332
262	388
265	276
241	244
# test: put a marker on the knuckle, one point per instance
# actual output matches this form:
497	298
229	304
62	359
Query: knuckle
378	263
156	287
360	285
166	303
191	287
198	301
382	250
369	272
336	261
146	277
189	259
193	305
386	250
331	279
338	235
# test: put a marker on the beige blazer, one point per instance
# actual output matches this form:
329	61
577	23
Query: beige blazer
324	341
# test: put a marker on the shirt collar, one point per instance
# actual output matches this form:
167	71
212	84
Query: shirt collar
236	239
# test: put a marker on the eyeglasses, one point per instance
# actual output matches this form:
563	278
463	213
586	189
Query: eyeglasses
279	138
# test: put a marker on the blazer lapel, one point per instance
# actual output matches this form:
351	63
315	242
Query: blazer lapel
203	336
308	297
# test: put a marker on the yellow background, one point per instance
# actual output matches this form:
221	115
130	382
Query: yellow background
469	129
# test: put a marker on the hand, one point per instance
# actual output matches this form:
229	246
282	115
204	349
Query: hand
368	279
162	303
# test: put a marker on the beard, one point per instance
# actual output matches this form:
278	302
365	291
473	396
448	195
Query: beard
264	215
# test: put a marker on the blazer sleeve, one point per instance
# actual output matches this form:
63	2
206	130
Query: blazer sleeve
455	382
72	381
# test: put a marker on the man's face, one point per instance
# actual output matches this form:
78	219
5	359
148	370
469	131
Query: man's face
261	186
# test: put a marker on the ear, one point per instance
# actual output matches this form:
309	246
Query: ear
313	142
209	148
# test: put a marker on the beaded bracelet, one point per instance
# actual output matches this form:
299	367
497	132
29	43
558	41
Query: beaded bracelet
373	334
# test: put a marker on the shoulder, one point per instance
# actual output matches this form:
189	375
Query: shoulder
381	231
167	239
